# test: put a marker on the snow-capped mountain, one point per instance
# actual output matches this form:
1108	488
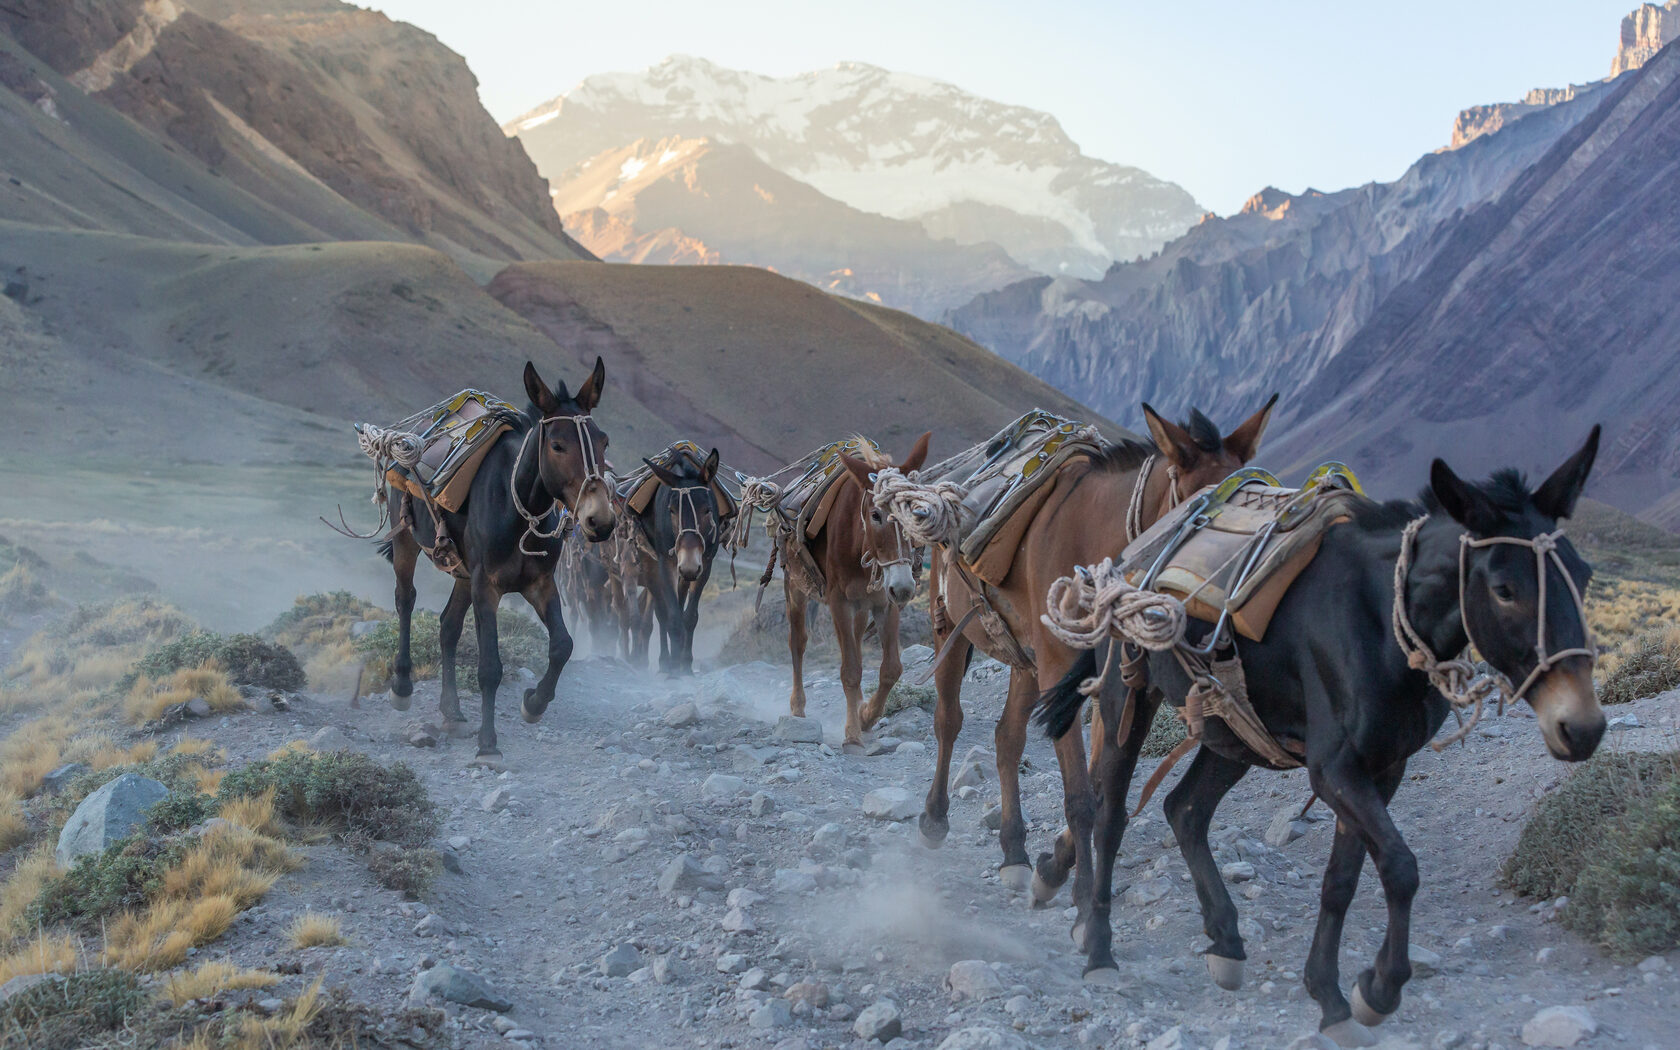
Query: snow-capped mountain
903	146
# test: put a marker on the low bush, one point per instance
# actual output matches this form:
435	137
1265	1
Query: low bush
407	870
903	697
1645	665
314	930
126	875
344	788
246	658
522	641
71	1013
321	619
1165	733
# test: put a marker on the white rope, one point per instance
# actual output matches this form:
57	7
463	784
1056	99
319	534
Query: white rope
929	513
592	472
1083	609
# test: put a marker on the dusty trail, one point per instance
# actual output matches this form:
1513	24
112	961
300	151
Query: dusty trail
565	865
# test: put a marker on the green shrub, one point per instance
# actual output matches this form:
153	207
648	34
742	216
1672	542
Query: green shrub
73	1012
1567	825
1627	897
1165	733
247	659
522	641
176	772
313	614
903	697
345	788
1647	664
409	871
126	875
178	811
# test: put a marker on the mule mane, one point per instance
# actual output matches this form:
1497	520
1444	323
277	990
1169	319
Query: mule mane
869	454
1203	431
1122	455
1507	489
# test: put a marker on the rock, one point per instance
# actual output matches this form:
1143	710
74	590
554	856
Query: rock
761	805
829	836
1174	1038
793	881
812	993
22	983
1558	1026
971	775
459	843
327	738
890	803
754	979
60	778
422	738
1652	964
742	897
685	714
992	819
519	1035
879	1021
431	926
1147	892
444	981
775	1013
664	969
722	785
1315	1041
621	961
1285	827
731	962
738	921
978	1038
108	815
1425	963
973	979
792	729
1237	871
684	873
271	1006
497	800
197	707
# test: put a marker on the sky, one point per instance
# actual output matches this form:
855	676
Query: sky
1221	98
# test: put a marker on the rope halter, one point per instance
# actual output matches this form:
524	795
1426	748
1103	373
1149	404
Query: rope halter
928	512
688	516
592	471
1134	507
903	551
1458	678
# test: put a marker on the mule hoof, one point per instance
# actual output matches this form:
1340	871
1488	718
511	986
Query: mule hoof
532	713
1228	973
1103	977
932	833
403	687
1078	935
488	760
1016	878
1362	1011
1042	892
1350	1033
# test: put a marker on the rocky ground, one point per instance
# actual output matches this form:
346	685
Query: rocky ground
657	868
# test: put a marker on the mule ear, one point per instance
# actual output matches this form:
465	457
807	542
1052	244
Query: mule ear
666	476
708	469
1464	502
918	454
1244	442
589	394
538	391
859	470
1556	498
1174	441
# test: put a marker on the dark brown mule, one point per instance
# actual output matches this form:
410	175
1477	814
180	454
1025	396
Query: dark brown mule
556	459
867	572
632	603
1067	531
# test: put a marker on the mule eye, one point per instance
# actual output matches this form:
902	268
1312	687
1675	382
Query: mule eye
875	516
1504	593
557	446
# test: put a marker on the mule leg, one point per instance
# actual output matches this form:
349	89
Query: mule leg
892	666
849	625
545	599
449	636
799	633
405	551
935	820
1189	808
1010	739
486	598
1079	805
691	615
1115	762
1322	975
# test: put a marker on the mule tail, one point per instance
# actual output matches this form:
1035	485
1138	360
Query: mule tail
385	548
1059	706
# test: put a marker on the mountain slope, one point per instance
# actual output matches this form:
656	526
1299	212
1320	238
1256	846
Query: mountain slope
902	146
692	200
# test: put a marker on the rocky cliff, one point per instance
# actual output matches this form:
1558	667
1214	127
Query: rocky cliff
1645	31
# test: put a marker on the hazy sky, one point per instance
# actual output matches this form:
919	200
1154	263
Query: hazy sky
1221	97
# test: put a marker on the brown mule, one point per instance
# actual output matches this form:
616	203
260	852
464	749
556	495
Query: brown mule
1090	491
867	574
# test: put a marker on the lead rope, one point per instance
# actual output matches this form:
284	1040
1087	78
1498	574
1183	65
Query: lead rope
1081	610
1134	508
877	568
592	472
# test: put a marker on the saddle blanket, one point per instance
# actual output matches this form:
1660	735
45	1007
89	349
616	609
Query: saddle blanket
1008	479
1238	546
636	489
458	433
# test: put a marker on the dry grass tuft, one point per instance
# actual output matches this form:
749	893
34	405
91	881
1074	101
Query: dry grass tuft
73	663
148	700
211	979
32	751
287	1029
14	826
253	812
158	937
314	930
208	781
44	954
232	862
31	876
197	745
291	747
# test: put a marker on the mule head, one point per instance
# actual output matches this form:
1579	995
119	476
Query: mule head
1520	604
884	543
690	511
1197	456
572	449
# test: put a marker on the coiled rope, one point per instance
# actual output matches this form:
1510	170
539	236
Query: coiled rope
384	447
928	512
1081	610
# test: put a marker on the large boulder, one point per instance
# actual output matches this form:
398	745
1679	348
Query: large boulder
456	986
108	815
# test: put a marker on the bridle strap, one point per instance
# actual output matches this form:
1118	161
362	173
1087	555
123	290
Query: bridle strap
1544	547
688	515
1134	507
591	472
902	551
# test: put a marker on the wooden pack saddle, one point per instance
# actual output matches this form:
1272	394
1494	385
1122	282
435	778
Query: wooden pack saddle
458	432
637	488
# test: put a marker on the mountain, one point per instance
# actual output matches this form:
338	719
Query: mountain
309	120
697	201
905	147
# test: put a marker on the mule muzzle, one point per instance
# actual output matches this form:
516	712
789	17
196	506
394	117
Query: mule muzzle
1571	720
691	559
899	583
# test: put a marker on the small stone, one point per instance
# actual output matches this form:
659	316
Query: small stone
684	873
793	881
503	1025
497	800
459	843
973	979
1174	1038
983	1039
1286	827
775	1013
271	1006
754	979
457	986
685	714
761	804
108	815
197	707
731	962
738	921
1425	963
1652	964
422	738
664	969
519	1035
879	1021
1558	1026
793	729
812	993
1147	892
621	961
1545	955
431	926
1016	1005
60	778
1237	871
890	803
992	819
722	785
326	739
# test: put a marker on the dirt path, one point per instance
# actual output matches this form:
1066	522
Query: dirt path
599	799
